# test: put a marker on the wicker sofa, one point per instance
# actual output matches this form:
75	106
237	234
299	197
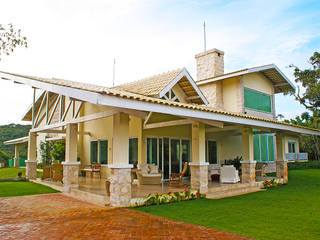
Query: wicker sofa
149	174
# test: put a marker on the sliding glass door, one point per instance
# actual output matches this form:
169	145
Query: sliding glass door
169	154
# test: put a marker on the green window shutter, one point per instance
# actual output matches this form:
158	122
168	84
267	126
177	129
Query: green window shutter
257	100
264	148
93	151
271	148
256	144
103	152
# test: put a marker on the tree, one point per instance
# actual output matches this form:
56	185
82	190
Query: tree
310	99
10	38
310	80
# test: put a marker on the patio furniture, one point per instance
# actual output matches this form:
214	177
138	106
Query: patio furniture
260	167
148	174
93	168
215	177
213	169
176	178
57	172
229	174
46	171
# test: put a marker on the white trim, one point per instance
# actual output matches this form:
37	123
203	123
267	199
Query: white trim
70	163
31	161
183	73
168	123
120	166
199	164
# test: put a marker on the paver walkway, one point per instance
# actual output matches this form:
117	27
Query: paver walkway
56	216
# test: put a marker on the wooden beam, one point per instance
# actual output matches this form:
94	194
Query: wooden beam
227	128
147	119
77	120
193	97
78	110
211	123
47	108
54	109
168	123
66	111
62	131
40	108
138	114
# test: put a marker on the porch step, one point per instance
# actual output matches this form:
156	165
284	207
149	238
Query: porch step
233	192
229	187
89	197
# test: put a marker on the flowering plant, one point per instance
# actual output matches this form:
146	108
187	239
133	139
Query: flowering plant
271	183
169	198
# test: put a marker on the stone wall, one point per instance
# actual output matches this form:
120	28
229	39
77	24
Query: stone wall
199	177
213	93
120	187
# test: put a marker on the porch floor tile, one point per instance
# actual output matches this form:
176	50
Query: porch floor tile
56	216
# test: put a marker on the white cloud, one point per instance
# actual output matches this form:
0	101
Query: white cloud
78	39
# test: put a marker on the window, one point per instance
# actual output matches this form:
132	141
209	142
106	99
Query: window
103	152
257	100
170	95
94	151
263	147
152	150
99	151
133	150
211	152
292	147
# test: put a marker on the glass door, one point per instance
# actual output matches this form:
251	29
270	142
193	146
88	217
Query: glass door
175	156
166	160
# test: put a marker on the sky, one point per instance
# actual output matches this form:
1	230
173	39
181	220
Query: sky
78	40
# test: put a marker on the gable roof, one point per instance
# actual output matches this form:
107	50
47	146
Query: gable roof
159	85
280	82
122	99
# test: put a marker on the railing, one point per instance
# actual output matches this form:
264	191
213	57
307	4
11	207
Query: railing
296	156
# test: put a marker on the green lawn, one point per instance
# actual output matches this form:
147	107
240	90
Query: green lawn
12	172
9	189
287	212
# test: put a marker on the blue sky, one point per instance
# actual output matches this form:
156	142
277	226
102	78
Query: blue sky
78	40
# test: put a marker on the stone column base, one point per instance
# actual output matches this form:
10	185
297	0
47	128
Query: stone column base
31	169
199	176
248	169
120	185
282	170
70	175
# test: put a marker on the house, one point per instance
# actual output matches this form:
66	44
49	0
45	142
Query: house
166	119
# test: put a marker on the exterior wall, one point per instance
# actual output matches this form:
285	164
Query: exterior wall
258	82
213	93
209	64
231	147
231	94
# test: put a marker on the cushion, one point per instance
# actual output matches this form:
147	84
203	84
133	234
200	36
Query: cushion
153	169
144	169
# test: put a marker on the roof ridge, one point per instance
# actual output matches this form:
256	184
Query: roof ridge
152	76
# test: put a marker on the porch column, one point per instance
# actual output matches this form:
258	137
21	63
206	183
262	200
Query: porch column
70	165
281	162
120	170
31	163
198	165
248	165
16	155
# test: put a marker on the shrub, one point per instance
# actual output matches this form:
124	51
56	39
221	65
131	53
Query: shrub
304	165
169	198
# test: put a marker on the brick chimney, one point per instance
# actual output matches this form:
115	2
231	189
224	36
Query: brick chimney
209	64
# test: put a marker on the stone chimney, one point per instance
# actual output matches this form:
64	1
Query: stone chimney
209	64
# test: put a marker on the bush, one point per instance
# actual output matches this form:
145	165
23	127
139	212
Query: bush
304	165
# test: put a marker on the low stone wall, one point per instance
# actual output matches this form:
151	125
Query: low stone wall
270	168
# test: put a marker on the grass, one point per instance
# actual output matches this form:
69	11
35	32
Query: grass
12	172
10	189
287	212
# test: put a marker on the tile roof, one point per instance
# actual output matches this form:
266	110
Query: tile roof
150	86
139	97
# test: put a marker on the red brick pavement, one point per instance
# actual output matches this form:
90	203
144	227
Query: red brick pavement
56	216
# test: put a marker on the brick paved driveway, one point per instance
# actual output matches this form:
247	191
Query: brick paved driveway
56	216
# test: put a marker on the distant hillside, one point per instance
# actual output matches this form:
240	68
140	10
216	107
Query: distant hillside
12	131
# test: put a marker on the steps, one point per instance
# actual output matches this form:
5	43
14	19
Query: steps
228	190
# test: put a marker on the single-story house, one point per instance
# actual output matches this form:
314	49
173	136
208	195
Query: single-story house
165	120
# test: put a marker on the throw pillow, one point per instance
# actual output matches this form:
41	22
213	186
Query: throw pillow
153	169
